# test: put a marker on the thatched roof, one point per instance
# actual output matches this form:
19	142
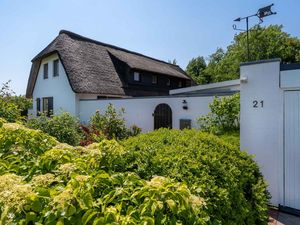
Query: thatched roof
90	67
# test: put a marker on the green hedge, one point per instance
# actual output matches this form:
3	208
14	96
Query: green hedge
214	169
46	182
163	177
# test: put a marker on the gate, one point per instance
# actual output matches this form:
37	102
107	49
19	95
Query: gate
292	149
162	116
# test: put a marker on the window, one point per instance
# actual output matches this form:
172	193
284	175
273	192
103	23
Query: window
48	106
168	82
136	76
154	79
55	68
46	71
180	84
38	106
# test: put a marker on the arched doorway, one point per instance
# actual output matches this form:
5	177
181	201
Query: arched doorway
162	116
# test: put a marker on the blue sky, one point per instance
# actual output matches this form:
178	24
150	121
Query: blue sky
164	29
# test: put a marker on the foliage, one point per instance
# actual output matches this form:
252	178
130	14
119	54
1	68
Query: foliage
12	106
232	138
64	126
195	69
90	135
174	61
21	102
111	124
224	116
227	178
265	43
9	111
45	182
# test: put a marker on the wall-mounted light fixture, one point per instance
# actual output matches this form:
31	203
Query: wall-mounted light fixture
184	104
244	80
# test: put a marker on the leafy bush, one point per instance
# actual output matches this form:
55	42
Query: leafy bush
227	178
110	124
19	146
12	107
9	111
61	184
64	126
224	116
232	138
162	177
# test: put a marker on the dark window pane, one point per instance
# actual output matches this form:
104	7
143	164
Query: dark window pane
180	84
48	106
38	106
168	83
154	79
46	71
55	68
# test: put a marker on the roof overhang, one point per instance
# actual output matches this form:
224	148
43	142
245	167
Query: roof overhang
207	87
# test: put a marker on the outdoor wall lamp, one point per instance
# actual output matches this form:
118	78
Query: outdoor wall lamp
244	80
184	105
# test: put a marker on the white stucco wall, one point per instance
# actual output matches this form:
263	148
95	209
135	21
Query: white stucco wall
138	111
262	126
56	87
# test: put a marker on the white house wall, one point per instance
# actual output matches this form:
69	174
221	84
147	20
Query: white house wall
138	111
262	122
290	79
56	87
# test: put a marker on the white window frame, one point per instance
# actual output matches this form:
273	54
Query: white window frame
136	76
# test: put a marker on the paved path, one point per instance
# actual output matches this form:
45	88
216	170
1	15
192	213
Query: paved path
280	218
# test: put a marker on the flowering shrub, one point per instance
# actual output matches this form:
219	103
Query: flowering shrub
46	182
162	177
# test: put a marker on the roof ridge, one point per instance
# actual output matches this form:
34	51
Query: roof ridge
78	36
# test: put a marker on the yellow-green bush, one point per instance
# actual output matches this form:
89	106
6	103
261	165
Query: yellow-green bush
163	177
45	182
214	169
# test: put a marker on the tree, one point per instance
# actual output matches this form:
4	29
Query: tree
265	43
196	68
174	61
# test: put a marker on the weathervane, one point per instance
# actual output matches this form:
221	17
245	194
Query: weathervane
261	13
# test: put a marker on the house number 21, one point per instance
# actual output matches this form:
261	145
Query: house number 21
258	104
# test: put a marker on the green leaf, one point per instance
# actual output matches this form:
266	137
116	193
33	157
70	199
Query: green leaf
88	215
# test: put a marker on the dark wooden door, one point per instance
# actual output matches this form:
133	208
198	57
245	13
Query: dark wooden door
162	116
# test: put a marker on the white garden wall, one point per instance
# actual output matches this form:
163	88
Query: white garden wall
138	111
270	126
262	121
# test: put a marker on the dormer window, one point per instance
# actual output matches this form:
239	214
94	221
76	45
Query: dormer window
55	68
45	70
136	76
154	79
168	82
